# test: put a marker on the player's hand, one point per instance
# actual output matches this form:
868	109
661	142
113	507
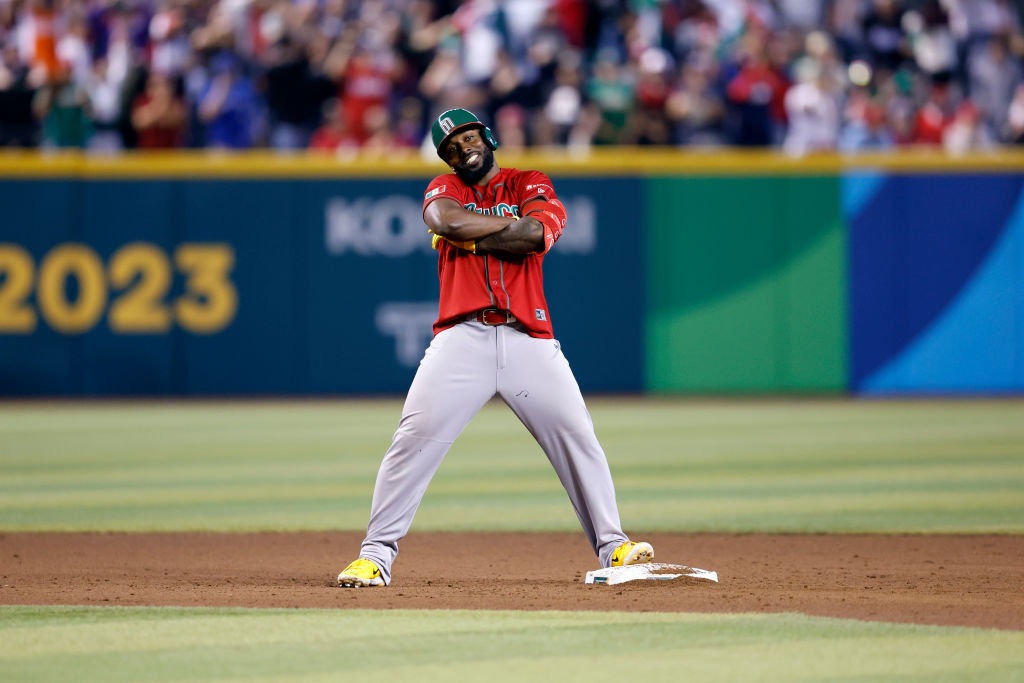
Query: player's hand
435	242
469	246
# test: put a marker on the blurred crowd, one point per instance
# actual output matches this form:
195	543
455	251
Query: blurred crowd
369	75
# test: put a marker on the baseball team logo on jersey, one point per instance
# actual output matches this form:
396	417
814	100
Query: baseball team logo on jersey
499	210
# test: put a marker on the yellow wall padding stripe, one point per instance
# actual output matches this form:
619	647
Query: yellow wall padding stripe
597	162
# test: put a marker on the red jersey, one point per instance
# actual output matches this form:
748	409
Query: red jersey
470	282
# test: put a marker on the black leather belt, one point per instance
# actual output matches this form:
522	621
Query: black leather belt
492	316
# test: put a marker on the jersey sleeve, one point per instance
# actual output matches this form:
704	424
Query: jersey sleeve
537	199
534	185
441	186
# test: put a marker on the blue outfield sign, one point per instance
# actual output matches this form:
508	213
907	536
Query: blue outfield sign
274	286
936	302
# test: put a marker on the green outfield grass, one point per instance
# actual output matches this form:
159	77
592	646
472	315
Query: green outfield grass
679	465
156	644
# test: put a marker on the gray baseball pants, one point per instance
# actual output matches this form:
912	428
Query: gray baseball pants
462	369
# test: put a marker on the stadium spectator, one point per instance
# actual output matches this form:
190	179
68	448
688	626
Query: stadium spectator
40	25
170	49
812	111
291	94
755	92
934	116
652	92
843	20
63	108
884	34
229	106
695	109
380	132
366	80
965	132
931	39
18	125
409	127
159	115
561	110
612	90
333	135
73	49
104	88
510	127
993	73
1015	117
865	127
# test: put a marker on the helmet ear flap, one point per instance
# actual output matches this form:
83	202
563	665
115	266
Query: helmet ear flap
489	138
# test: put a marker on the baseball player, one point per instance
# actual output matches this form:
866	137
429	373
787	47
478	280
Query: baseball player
491	228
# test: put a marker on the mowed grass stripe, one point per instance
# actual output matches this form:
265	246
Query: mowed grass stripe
145	644
679	465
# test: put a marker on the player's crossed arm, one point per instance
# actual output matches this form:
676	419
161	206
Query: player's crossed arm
500	235
524	236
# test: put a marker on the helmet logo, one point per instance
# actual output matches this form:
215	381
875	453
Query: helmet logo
446	124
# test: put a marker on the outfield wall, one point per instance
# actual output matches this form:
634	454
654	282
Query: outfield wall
199	275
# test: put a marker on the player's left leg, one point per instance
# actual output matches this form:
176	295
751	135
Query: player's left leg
535	380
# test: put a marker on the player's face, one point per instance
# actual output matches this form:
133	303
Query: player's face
468	152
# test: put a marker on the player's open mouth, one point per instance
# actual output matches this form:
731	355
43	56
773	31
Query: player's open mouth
471	159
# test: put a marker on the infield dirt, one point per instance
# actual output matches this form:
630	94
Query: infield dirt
934	579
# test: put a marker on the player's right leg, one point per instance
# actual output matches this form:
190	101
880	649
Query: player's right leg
455	379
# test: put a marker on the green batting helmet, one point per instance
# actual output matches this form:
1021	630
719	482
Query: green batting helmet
452	121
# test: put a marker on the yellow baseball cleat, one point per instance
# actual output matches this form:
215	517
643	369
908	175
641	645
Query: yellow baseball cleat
360	573
631	552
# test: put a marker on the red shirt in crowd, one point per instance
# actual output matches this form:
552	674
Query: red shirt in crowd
157	136
327	138
366	85
758	83
930	123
